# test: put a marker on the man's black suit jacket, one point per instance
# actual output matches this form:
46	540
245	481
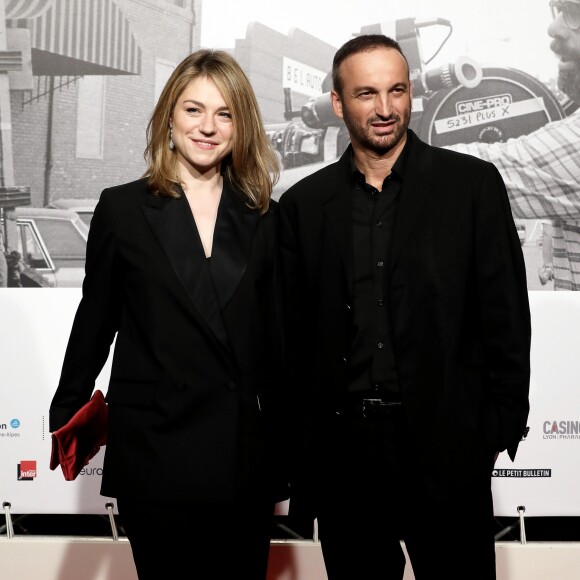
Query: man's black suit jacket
197	349
458	306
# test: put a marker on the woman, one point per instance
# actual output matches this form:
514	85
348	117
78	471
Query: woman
181	268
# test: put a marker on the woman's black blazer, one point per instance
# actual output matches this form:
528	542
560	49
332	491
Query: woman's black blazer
197	347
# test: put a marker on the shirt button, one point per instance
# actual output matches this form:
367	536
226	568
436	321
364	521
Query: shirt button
380	302
380	263
379	224
380	345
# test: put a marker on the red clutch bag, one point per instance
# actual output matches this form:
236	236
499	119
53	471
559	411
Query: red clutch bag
77	442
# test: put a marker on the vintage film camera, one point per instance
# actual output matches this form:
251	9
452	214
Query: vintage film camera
461	102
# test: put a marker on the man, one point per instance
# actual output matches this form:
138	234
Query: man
542	170
408	337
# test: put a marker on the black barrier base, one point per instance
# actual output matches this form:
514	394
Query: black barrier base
538	529
541	529
60	525
99	526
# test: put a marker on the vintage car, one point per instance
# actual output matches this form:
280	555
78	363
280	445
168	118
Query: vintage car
85	207
52	243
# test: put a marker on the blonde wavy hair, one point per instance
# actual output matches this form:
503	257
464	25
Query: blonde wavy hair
252	167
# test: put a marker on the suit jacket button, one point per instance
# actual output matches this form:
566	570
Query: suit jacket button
232	386
180	386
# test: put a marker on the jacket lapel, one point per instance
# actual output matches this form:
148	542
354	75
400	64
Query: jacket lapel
232	243
337	200
174	227
415	190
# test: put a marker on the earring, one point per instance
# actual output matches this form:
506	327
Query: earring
171	143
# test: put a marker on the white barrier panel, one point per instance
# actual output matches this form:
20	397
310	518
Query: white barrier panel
544	478
35	328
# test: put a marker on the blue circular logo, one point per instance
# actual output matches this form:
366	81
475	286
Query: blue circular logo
14	423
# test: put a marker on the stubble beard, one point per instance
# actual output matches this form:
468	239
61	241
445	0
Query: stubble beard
378	144
569	82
